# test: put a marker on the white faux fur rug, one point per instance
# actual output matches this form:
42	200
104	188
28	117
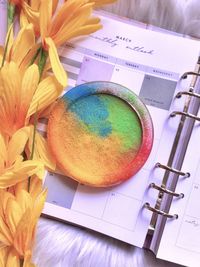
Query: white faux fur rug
62	245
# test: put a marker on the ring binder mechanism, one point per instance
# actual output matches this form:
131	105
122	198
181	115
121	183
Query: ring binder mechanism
160	212
174	113
187	93
184	76
167	168
167	191
191	88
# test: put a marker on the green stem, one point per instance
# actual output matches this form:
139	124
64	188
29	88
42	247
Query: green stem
11	14
43	54
42	61
35	56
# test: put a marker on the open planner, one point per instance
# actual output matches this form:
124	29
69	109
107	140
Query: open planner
158	208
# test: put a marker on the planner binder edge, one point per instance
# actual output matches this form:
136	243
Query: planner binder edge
156	210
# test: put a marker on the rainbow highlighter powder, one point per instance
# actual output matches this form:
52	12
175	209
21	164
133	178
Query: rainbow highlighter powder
100	133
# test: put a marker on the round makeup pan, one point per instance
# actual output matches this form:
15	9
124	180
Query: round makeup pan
100	133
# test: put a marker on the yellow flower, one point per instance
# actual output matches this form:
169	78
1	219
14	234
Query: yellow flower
34	188
99	3
30	10
18	219
23	96
13	168
21	49
41	151
29	13
71	19
10	258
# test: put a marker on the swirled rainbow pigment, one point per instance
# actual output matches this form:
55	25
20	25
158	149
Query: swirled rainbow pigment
96	135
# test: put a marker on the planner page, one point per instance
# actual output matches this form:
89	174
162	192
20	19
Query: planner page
149	63
180	241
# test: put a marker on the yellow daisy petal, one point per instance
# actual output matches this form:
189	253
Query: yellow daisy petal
16	175
28	167
79	19
28	264
13	259
22	237
35	4
17	144
5	235
84	30
11	91
57	67
13	214
29	85
19	159
3	256
24	199
8	85
48	91
5	195
93	20
99	3
43	152
27	260
1	201
9	179
28	58
39	205
40	174
46	112
45	17
21	186
65	13
25	233
35	187
33	16
23	19
24	41
3	153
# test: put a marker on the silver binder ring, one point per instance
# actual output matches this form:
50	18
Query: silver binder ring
187	93
167	168
167	191
184	76
173	114
160	212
